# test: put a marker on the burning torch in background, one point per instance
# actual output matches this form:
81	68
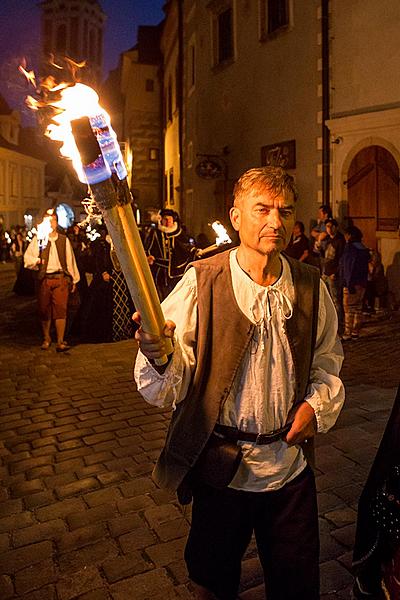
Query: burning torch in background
89	140
43	231
221	239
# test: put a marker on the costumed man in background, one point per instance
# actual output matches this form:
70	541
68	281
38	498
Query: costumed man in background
169	251
57	275
253	377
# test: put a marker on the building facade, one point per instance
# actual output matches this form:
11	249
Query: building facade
365	124
244	103
22	174
74	28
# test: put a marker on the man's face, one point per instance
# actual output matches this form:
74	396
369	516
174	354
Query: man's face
53	223
167	221
264	221
296	231
331	229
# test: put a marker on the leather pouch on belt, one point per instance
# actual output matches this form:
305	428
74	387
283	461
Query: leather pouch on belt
218	463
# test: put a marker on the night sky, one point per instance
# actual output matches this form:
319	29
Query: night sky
20	31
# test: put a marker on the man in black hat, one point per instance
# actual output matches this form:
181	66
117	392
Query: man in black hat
169	251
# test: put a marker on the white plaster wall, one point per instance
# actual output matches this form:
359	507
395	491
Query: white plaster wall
14	202
365	61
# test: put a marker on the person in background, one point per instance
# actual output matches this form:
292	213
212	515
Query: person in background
57	274
169	251
244	419
335	244
377	286
25	283
4	249
353	273
96	310
299	245
80	246
18	248
319	235
107	311
376	555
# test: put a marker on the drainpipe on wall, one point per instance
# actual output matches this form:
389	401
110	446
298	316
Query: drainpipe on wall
162	197
325	102
180	101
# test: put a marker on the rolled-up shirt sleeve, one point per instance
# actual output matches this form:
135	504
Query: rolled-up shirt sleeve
326	391
171	387
71	263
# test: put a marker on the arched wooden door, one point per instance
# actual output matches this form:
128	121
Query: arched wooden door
373	193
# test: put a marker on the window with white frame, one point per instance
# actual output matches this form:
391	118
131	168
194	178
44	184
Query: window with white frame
275	17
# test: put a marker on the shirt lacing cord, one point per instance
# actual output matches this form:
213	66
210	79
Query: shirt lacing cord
284	306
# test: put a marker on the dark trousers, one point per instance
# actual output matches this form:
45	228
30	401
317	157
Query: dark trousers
285	523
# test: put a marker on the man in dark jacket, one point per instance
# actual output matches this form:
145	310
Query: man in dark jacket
330	265
169	251
353	269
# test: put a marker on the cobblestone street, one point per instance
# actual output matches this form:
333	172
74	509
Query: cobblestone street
80	516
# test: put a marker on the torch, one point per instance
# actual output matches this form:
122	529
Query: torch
82	125
43	232
113	198
221	239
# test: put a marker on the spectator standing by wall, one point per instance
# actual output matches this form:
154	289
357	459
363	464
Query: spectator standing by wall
335	244
353	269
319	234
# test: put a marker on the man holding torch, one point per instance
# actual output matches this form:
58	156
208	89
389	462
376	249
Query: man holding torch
253	377
51	255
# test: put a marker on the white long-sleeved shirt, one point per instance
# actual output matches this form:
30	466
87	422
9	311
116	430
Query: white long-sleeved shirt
264	389
31	257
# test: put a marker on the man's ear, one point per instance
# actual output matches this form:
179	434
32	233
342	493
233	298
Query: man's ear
234	214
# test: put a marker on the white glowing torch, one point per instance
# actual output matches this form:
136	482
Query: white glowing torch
90	142
221	239
43	231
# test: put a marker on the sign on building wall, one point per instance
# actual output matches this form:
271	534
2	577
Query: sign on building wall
209	169
282	154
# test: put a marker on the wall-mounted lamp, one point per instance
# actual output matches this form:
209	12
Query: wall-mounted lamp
337	140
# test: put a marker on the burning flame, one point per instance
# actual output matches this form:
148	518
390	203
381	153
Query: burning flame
222	234
30	75
72	105
75	102
44	229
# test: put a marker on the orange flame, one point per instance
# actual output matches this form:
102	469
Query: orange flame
44	229
30	75
66	102
74	102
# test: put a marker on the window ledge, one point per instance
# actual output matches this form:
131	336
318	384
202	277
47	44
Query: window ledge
268	37
223	65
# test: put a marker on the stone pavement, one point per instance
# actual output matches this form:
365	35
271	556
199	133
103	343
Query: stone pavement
80	516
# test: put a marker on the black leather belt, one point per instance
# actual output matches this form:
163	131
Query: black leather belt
56	275
236	435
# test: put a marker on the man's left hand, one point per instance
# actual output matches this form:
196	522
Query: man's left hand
304	425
